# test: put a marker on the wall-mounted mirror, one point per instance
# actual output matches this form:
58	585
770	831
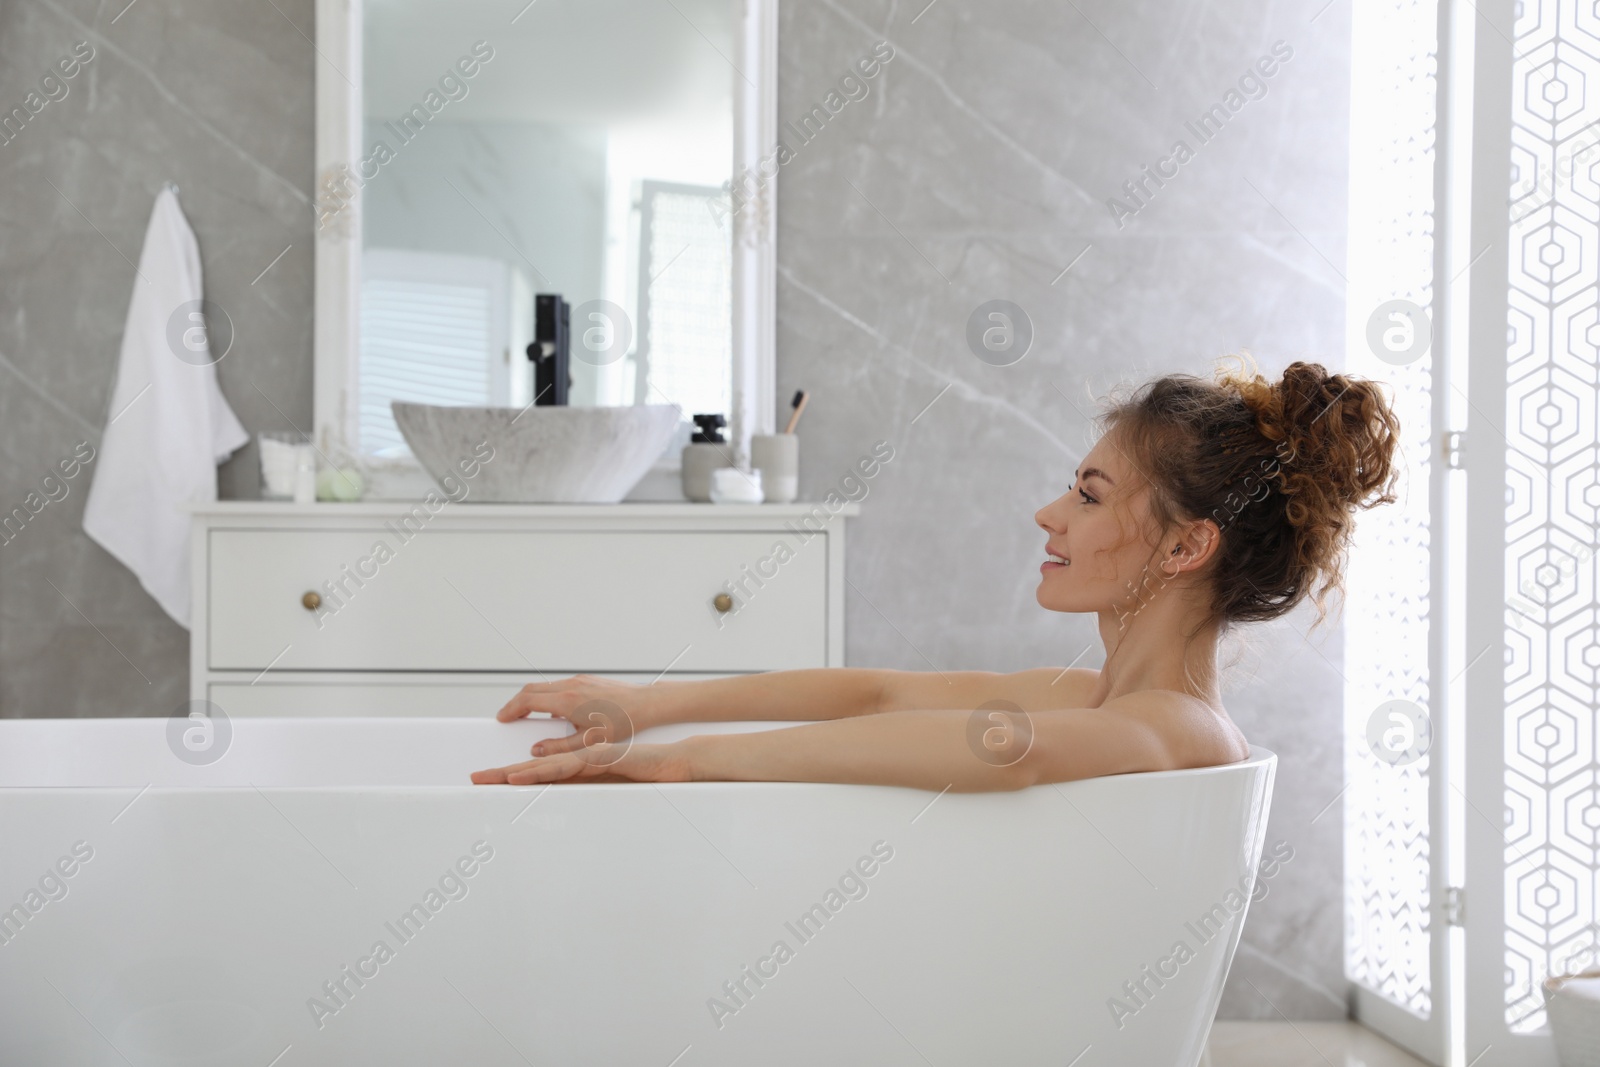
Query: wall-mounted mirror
476	162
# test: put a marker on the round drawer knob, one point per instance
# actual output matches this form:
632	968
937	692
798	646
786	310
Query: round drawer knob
311	601
722	601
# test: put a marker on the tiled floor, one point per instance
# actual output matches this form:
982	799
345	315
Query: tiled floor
1301	1044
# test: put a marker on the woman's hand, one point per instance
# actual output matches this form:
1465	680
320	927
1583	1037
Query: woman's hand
600	762
599	709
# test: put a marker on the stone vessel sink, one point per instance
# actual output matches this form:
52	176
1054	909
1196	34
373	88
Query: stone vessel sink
542	455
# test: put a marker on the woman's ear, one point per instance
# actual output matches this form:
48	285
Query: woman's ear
1195	546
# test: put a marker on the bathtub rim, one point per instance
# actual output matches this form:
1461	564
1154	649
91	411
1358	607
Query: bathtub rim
1258	757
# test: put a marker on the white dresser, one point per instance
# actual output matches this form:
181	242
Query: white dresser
386	608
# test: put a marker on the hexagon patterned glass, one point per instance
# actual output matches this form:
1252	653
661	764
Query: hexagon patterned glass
1552	775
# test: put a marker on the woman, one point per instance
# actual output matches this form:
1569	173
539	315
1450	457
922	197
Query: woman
1201	505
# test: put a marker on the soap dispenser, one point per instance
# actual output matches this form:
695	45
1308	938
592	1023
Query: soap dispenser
706	451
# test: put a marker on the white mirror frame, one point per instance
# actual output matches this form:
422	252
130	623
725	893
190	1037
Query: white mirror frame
337	233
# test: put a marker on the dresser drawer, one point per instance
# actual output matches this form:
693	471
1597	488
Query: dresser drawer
556	601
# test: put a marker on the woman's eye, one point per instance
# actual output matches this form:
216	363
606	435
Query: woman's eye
1087	499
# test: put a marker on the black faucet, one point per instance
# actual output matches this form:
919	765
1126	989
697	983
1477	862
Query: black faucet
551	349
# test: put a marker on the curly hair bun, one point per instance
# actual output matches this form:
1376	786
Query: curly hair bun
1281	467
1333	434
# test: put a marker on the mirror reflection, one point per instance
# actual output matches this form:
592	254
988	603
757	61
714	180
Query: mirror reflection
577	151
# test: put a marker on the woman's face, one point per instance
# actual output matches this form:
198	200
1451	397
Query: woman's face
1101	527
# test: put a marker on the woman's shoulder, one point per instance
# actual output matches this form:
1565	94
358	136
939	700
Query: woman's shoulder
1195	732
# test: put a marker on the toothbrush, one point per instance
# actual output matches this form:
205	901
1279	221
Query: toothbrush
799	402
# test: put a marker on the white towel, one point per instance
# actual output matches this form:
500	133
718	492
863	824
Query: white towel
169	423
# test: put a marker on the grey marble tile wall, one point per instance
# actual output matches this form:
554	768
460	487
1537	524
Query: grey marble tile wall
978	166
216	97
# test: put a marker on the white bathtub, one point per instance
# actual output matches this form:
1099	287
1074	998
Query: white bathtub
178	914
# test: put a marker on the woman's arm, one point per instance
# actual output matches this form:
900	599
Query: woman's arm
602	710
935	749
938	749
844	692
815	693
804	695
1037	689
820	693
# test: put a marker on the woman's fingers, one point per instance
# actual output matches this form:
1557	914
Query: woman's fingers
527	699
503	775
597	763
590	704
549	769
540	769
549	697
554	746
517	707
537	696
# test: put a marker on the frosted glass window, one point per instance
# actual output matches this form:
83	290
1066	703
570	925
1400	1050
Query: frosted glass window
1387	615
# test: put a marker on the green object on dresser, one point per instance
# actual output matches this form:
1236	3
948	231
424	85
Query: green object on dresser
340	483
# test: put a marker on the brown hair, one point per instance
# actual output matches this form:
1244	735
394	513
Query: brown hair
1281	469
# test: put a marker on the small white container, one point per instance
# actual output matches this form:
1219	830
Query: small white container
777	457
730	485
305	474
279	463
1573	1003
